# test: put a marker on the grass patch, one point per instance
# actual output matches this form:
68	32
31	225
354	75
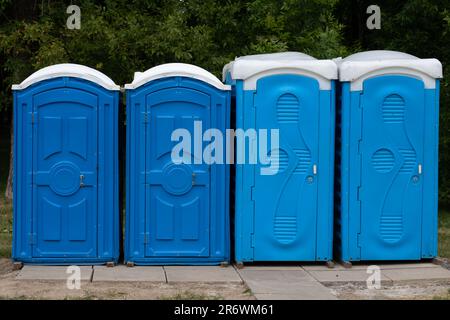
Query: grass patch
443	297
5	226
248	292
19	298
444	233
189	295
5	205
4	158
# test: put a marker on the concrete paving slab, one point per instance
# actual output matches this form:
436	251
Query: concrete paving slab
306	295
30	272
320	267
123	273
349	275
285	284
271	268
393	266
415	274
202	274
383	266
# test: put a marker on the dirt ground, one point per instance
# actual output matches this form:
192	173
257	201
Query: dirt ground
427	290
10	288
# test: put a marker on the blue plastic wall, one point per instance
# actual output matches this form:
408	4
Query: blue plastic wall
287	216
176	213
66	173
388	209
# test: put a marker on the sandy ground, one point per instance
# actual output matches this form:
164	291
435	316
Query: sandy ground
10	288
411	291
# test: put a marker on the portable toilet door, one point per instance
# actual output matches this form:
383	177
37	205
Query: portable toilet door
177	209
66	167
388	156
286	215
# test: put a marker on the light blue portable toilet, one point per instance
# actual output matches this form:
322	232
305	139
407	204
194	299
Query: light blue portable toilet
286	215
176	212
66	167
387	156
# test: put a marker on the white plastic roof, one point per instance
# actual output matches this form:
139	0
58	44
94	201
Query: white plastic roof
360	66
175	69
379	55
68	70
253	67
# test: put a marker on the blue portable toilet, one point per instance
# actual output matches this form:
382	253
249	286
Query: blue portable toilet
66	167
286	215
387	155
177	212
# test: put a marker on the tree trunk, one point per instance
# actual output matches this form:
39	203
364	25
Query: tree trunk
9	192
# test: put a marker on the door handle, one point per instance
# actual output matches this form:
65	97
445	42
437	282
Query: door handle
81	180
315	169
419	168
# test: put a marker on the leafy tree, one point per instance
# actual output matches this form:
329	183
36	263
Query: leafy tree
120	37
418	27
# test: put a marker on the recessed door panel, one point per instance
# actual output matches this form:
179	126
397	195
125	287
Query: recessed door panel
177	195
286	202
65	174
392	153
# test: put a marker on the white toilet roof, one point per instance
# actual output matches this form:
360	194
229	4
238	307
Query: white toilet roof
253	67
362	65
68	70
175	69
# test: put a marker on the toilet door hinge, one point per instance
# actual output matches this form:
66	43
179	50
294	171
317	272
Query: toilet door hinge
146	238
252	193
145	118
33	117
358	240
252	240
32	238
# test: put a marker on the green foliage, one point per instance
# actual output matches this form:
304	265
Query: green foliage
444	234
418	27
119	37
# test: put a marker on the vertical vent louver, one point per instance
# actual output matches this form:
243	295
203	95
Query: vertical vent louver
288	108
393	109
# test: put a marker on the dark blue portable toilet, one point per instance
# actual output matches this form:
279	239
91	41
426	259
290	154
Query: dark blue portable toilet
66	167
286	215
387	156
177	212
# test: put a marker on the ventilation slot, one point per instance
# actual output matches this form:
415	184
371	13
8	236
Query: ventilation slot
285	229
304	160
383	160
280	163
393	109
287	108
409	160
391	228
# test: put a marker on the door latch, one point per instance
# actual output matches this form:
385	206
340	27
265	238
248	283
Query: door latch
81	180
315	169
419	168
193	178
